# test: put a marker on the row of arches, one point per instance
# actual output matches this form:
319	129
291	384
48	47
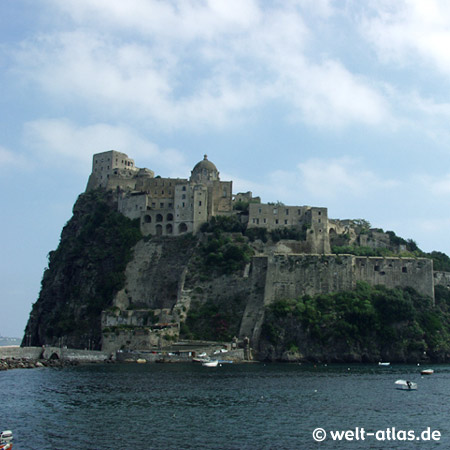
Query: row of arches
158	218
182	228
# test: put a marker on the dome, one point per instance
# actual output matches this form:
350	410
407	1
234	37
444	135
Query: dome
204	164
204	170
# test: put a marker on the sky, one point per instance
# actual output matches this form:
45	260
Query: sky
340	104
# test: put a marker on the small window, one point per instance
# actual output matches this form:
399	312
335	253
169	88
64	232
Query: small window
404	269
376	268
199	203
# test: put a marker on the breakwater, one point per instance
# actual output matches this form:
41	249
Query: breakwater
30	357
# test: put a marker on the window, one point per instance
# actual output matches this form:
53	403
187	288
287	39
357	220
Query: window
159	218
184	188
183	196
200	203
287	212
285	222
276	221
161	205
404	269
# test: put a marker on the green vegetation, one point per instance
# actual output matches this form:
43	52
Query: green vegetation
227	224
87	269
293	233
367	251
214	320
225	255
369	319
440	261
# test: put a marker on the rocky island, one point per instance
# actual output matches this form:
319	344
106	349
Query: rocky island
148	263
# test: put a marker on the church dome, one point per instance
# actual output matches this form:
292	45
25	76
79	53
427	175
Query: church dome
204	170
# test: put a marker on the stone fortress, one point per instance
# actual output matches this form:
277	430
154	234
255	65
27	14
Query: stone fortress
173	206
289	268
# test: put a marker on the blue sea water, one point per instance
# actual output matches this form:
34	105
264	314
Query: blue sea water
236	406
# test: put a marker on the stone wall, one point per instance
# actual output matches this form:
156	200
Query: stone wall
289	276
47	352
397	272
441	278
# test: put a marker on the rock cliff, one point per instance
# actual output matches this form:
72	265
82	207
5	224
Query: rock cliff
107	286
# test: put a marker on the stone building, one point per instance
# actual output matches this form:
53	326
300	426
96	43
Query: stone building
165	206
273	216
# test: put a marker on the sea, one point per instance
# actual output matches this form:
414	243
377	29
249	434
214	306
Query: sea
231	406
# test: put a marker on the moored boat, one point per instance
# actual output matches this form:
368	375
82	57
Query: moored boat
427	372
384	364
212	363
405	385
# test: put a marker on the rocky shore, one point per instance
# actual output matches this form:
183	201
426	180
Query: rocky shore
24	363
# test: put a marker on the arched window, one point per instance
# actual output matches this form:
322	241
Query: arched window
159	218
169	228
147	219
182	228
159	230
169	217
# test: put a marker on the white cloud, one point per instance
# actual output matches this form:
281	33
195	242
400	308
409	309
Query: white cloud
340	177
10	159
197	64
61	142
404	30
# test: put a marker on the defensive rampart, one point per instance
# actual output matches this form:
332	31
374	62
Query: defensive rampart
290	276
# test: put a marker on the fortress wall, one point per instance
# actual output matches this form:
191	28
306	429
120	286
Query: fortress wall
397	272
297	275
441	278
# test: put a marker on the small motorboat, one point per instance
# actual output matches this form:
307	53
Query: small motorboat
200	359
6	438
212	363
427	372
406	385
384	364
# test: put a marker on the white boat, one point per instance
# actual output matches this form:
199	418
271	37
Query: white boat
405	385
212	363
427	372
6	438
384	364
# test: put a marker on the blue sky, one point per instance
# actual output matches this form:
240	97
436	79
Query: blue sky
343	104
